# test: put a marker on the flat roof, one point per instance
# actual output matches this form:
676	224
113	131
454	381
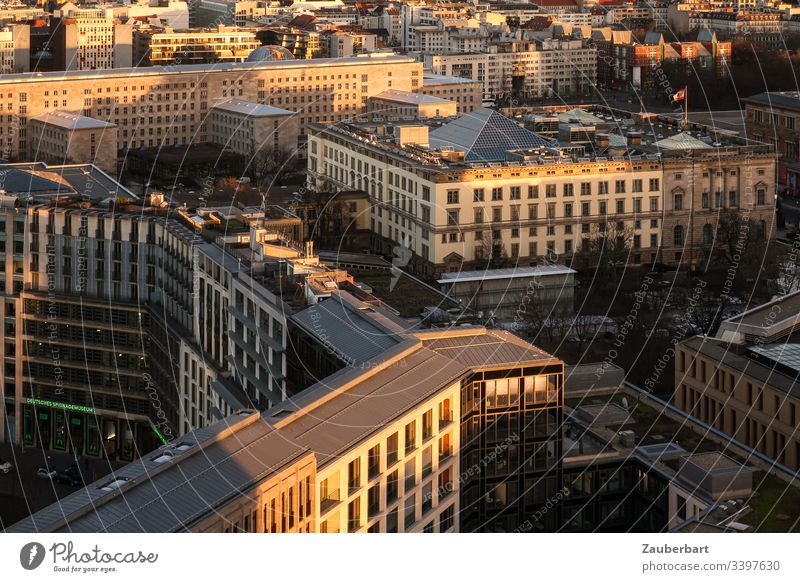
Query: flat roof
432	79
251	109
410	98
511	273
139	72
71	120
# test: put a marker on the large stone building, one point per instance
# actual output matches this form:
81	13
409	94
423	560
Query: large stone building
248	128
482	187
62	138
745	380
167	106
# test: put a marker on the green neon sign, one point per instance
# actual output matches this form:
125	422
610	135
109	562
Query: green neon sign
159	435
60	405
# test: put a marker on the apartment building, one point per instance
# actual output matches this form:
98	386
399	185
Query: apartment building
15	48
623	62
744	380
525	69
164	46
169	105
773	118
88	38
443	455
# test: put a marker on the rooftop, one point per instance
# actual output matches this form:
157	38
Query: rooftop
410	98
251	109
484	135
499	274
71	120
177	485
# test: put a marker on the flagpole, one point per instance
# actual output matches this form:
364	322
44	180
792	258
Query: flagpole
686	107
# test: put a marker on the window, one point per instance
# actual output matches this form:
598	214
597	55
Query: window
477	195
497	193
452	196
533	191
677	235
568	189
678	202
391	450
586	189
705	200
411	436
568	210
410	513
373	501
354	515
392	487
452	217
654	184
550	191
602	187
445	413
585	208
427	425
620	206
708	234
446	519
354	475
637	185
761	196
374	461
619	186
732	198
515	193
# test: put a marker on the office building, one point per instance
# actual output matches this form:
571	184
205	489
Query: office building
489	401
88	38
248	128
62	138
168	106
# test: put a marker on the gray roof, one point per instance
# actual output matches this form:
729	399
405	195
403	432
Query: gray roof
353	331
485	135
681	141
250	108
512	273
71	120
410	98
778	99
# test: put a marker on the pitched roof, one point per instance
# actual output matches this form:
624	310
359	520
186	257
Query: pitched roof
485	135
681	141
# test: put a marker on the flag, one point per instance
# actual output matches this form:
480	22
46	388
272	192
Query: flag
680	95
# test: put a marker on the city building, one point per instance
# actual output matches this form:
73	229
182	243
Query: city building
744	381
407	105
623	62
514	292
15	48
773	118
89	38
486	394
63	138
467	94
249	128
165	46
483	188
525	69
169	106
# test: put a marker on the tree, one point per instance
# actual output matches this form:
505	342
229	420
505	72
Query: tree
492	251
270	160
604	254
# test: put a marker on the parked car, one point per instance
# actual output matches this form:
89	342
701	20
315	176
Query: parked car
44	473
5	466
68	479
